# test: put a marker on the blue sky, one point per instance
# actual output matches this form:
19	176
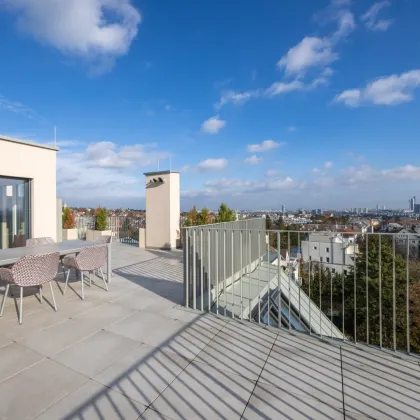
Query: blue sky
302	103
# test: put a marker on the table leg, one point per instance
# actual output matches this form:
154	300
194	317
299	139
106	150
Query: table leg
109	269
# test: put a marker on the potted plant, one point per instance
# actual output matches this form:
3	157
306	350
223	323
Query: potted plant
69	225
101	225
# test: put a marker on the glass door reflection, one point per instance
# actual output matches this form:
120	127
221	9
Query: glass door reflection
14	212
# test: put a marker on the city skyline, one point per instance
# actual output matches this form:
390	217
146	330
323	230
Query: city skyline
257	106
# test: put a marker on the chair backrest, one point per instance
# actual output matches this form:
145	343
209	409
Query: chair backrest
39	241
91	258
105	239
33	270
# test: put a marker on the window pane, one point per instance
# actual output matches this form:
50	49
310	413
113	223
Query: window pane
14	212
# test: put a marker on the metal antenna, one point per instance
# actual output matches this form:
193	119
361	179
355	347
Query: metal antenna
55	136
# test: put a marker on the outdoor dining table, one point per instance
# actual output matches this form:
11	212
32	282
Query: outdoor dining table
11	255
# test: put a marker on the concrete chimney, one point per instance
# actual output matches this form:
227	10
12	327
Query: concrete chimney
162	209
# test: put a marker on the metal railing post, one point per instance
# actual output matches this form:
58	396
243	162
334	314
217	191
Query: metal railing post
367	289
233	273
194	261
380	291
408	294
187	268
278	280
394	321
201	270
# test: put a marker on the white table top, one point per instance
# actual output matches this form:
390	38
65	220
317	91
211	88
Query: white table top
11	255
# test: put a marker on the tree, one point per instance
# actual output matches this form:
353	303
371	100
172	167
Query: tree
225	214
192	217
368	300
203	218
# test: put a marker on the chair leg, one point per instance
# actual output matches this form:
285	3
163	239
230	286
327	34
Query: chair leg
6	292
83	290
40	293
103	278
67	280
53	297
21	305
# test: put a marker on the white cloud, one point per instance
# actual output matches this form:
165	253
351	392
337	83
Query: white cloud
167	107
327	165
108	155
310	52
98	30
272	172
18	108
278	88
371	20
225	183
291	129
389	90
265	146
212	164
213	125
407	172
253	160
104	173
236	98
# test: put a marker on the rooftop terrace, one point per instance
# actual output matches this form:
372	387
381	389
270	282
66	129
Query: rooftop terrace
135	352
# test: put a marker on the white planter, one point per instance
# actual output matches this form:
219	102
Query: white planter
92	235
69	234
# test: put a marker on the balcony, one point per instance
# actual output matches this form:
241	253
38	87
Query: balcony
139	352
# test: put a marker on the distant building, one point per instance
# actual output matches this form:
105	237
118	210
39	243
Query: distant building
335	251
417	208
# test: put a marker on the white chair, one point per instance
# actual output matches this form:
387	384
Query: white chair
88	259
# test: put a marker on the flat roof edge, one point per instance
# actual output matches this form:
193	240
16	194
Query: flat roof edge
28	143
160	173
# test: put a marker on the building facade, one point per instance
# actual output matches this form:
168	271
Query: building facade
335	251
27	192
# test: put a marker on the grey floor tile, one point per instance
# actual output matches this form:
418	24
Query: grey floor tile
239	356
95	353
271	403
308	375
15	358
54	339
141	325
76	306
32	391
4	341
93	401
137	300
183	339
33	322
150	414
375	389
104	315
202	392
143	373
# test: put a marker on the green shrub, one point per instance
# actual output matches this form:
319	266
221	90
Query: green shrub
101	218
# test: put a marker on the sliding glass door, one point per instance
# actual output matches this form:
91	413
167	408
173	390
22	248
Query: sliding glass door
15	212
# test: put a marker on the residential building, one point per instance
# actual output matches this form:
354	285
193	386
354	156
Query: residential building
27	191
335	250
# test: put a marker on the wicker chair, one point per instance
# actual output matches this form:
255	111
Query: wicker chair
88	259
30	271
106	239
39	241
